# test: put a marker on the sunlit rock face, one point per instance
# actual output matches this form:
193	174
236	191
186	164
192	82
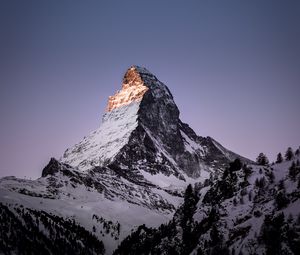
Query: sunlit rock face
133	89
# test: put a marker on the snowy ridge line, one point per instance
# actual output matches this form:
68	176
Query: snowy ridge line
102	145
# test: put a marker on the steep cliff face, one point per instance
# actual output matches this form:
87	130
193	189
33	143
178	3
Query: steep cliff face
141	130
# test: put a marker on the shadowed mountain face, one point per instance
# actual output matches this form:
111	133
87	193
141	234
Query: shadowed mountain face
141	130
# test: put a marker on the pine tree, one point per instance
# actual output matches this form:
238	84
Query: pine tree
262	159
217	242
260	183
215	237
189	205
297	152
279	158
271	233
235	165
293	171
281	200
188	210
289	154
247	171
271	177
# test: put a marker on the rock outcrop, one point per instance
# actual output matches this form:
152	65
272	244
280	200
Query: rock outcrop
133	90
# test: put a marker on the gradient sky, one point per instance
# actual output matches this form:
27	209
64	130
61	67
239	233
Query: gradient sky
233	68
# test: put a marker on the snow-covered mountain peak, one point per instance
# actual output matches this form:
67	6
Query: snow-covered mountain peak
136	82
142	101
141	132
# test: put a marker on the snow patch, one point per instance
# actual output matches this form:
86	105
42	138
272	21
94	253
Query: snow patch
191	146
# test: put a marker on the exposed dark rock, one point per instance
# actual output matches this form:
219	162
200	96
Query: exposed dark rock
54	166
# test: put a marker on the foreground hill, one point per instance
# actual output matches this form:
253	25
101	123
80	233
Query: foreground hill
248	210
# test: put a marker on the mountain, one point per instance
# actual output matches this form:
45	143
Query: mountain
141	130
247	210
131	171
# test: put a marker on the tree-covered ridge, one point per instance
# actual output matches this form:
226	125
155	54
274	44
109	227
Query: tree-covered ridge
166	238
27	231
247	210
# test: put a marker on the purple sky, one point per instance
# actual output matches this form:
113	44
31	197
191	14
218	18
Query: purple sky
232	66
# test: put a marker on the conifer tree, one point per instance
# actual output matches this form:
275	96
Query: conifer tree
289	154
293	171
189	205
297	152
279	158
262	159
281	200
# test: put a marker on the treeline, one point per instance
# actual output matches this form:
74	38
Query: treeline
27	231
108	226
290	155
183	235
165	240
277	230
263	160
178	237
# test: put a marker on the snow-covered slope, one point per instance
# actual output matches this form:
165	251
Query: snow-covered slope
99	197
104	143
248	210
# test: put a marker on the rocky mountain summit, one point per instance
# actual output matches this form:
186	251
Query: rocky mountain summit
141	130
130	171
133	90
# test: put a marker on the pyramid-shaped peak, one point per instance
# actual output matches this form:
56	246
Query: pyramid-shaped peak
141	128
134	87
135	75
